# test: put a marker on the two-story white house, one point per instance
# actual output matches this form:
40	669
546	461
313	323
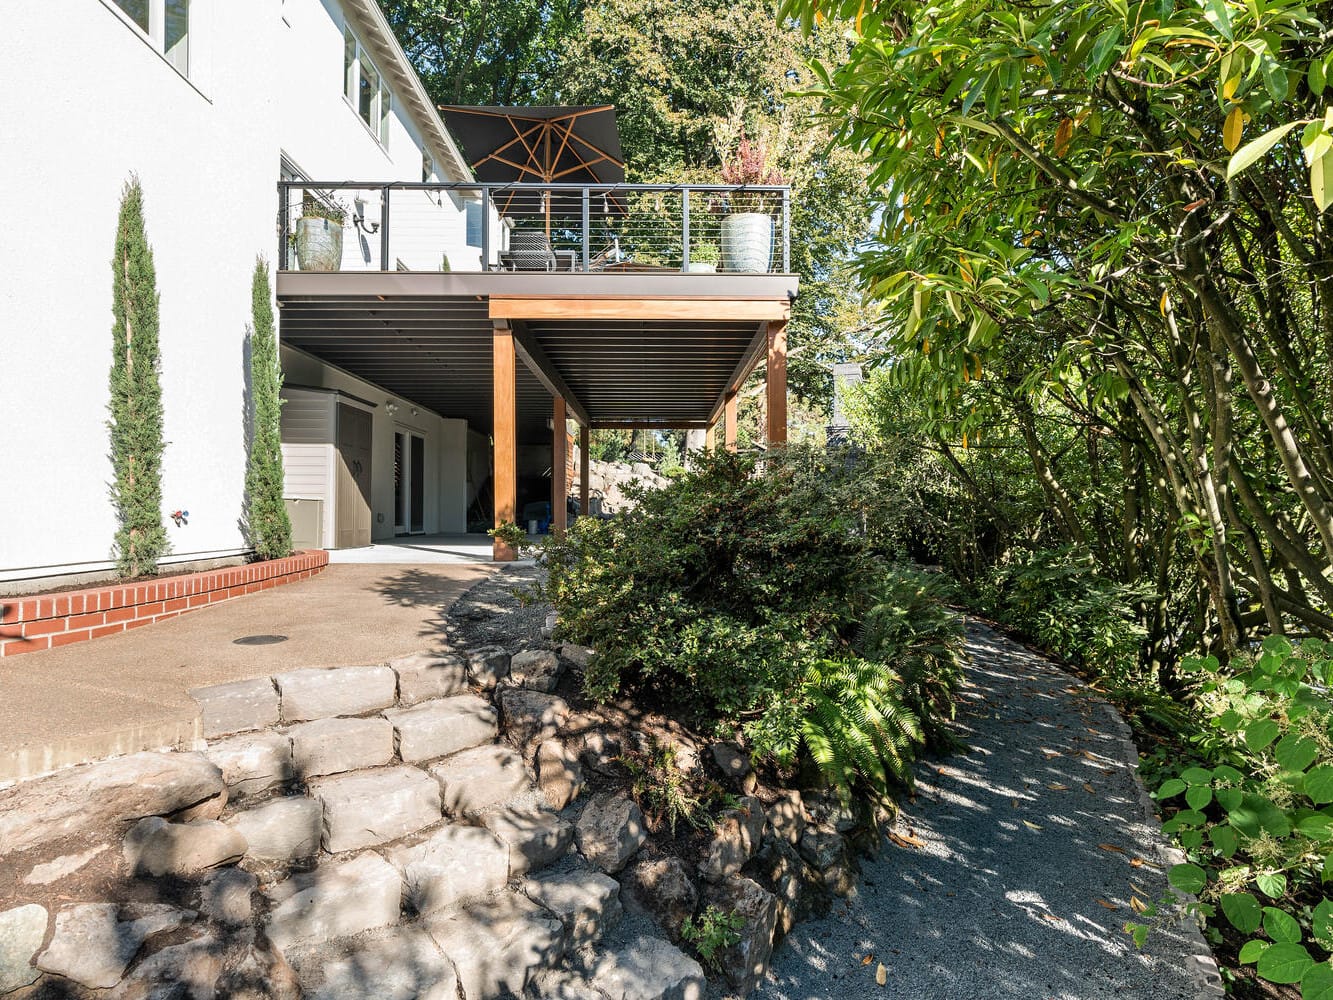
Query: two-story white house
210	103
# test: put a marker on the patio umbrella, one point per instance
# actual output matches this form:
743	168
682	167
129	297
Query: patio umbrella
540	145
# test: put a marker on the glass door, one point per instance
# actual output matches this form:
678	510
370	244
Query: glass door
409	483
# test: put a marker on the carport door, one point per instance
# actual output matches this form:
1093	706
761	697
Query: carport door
353	515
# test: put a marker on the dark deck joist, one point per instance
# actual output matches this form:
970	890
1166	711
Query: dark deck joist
631	349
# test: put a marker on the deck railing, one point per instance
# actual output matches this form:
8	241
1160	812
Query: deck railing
404	226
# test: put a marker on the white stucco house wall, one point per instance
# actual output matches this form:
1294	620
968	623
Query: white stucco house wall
210	103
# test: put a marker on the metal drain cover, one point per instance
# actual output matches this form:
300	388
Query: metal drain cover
259	640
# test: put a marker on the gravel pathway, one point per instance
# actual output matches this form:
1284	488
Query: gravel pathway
1036	839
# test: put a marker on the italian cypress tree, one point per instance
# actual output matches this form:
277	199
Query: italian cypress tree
267	524
136	395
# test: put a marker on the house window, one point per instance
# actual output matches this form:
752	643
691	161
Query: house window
365	89
473	210
167	25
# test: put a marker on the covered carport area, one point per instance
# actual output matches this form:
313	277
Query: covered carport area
516	354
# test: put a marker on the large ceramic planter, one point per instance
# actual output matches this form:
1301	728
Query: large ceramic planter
319	244
747	242
697	268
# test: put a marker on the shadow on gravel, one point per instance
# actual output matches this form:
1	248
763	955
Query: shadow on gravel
1036	845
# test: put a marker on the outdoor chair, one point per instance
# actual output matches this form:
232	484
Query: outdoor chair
529	250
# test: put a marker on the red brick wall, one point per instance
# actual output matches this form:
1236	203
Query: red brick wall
44	622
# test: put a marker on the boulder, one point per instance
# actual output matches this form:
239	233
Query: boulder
530	717
22	931
94	797
453	865
257	972
475	780
823	848
155	847
648	968
488	666
253	762
534	837
237	706
535	669
559	774
281	829
663	888
610	831
335	900
498	945
425	676
734	762
93	946
786	817
322	692
365	808
746	962
401	963
331	746
227	897
601	752
587	903
578	656
736	836
187	970
798	887
438	728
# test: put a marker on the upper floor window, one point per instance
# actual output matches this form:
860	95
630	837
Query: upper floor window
167	25
364	88
472	222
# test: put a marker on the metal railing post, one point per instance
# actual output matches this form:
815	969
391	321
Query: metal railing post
384	229
786	230
685	230
485	228
587	231
284	223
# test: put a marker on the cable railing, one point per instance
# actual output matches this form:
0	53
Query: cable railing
593	228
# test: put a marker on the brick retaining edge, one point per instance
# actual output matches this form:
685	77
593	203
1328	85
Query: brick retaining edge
28	624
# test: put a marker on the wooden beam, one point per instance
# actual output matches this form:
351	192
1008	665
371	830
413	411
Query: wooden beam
584	308
540	365
729	435
748	363
585	446
559	484
505	418
776	381
640	423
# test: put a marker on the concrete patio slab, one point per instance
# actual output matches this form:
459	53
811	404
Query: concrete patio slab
129	692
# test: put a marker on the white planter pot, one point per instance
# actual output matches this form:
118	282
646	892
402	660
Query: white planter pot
697	268
319	245
747	242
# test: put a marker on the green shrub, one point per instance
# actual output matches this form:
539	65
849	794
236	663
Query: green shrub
734	598
1257	814
267	526
712	932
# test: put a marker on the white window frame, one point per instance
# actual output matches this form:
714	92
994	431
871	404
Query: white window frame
155	36
381	106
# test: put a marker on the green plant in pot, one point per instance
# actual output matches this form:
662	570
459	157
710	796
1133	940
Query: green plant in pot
747	228
704	258
319	234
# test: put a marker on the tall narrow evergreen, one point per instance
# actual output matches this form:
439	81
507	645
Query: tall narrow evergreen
136	395
269	528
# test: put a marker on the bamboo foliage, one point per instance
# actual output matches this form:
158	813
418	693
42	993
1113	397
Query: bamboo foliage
136	395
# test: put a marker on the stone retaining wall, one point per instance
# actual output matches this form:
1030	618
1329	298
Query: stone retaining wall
28	624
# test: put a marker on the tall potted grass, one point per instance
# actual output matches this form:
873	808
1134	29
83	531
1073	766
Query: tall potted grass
747	228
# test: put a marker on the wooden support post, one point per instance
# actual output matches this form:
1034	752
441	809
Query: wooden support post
559	467
585	446
505	434
710	439
776	381
729	431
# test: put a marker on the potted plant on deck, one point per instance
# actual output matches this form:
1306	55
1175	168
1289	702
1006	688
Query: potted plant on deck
704	258
747	228
319	234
